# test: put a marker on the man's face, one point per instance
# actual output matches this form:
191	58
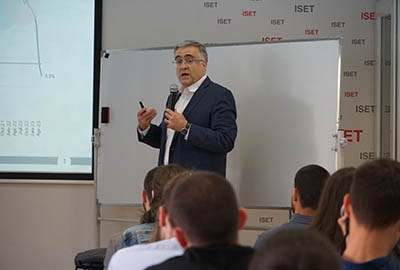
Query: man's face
189	73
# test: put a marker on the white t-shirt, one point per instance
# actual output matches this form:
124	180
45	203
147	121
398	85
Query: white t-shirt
139	257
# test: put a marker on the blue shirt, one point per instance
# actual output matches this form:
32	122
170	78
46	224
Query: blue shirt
138	234
297	221
384	263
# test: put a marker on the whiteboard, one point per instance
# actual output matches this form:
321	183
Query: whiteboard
287	96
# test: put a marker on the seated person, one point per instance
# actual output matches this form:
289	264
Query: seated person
205	218
308	184
140	234
164	245
371	218
151	195
116	239
325	219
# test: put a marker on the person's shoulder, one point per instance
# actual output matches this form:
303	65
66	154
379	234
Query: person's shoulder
176	263
140	257
121	258
167	244
266	234
142	226
379	263
215	85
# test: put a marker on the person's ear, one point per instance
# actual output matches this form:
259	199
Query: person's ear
144	196
344	215
162	216
295	194
347	205
242	217
181	236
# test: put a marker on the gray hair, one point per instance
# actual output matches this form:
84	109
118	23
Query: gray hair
192	43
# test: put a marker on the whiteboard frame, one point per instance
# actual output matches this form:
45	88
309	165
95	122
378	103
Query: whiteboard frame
232	175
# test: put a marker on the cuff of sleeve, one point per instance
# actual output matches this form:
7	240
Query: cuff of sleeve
143	132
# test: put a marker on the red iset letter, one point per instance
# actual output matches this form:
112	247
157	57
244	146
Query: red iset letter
347	134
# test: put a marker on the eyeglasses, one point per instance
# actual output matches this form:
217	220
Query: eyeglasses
187	61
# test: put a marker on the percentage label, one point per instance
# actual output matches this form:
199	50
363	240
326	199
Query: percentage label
50	76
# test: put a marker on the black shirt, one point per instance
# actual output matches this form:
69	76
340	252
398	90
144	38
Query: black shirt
232	257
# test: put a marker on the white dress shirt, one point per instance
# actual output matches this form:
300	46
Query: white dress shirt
180	106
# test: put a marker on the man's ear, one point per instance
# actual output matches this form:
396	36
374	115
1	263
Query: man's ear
295	194
242	217
347	204
144	196
181	236
162	216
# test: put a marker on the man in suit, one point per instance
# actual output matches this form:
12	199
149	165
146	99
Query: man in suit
202	129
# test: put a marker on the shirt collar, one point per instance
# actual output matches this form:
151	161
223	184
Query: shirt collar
193	88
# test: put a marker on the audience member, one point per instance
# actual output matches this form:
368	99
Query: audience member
372	211
328	211
140	234
139	257
205	218
308	184
116	239
296	249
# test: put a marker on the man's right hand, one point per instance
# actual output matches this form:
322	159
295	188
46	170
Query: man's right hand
145	116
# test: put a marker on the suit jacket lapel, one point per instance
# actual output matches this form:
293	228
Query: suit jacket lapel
196	97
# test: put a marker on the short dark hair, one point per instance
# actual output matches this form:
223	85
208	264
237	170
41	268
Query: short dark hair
296	249
163	174
204	205
309	181
166	195
156	236
375	193
331	200
192	43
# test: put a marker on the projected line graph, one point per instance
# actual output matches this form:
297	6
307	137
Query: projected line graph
37	61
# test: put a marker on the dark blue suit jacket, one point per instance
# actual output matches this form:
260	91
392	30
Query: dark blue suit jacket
212	113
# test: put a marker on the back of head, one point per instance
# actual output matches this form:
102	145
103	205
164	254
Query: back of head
157	234
161	176
296	249
309	181
375	193
148	182
204	206
325	219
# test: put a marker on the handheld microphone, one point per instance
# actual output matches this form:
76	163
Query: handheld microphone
173	96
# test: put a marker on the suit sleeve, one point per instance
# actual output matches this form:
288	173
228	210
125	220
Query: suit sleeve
153	136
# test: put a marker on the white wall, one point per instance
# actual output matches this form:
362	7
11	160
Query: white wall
43	226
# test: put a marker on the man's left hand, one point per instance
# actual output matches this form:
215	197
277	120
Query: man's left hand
175	121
